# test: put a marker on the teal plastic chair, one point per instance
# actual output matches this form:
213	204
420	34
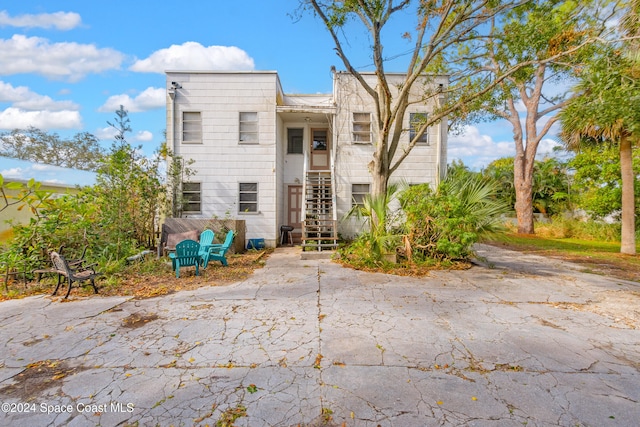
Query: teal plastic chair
219	252
206	241
187	254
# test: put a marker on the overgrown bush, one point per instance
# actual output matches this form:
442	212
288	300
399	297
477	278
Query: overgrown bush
446	223
113	219
432	226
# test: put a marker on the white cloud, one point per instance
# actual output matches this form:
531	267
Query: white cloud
58	20
107	133
15	173
143	136
477	150
70	61
16	118
194	56
150	99
546	146
23	98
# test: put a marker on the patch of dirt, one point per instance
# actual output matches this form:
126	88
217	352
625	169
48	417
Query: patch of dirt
37	378
136	320
151	278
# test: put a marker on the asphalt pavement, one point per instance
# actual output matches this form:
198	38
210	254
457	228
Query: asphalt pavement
518	340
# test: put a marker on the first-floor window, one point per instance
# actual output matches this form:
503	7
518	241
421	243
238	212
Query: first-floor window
248	197
358	191
191	197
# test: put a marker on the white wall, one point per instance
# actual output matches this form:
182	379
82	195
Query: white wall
353	159
221	161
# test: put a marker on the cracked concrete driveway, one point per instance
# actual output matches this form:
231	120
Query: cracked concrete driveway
522	341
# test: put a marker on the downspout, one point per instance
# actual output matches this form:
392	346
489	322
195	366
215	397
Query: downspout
172	95
334	152
439	169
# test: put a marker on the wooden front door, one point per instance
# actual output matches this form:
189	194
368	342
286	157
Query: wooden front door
320	149
294	206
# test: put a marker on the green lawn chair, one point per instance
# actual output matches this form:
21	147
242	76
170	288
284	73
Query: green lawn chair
206	241
218	252
187	254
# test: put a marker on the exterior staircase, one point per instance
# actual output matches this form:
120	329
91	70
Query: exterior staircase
319	224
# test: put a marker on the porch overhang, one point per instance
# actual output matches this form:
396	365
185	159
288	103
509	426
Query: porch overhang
291	113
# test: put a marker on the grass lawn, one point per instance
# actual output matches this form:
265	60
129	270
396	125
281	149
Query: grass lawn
597	257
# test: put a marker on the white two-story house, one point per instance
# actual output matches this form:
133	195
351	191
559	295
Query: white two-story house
275	159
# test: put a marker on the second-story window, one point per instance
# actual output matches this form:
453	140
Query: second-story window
249	128
294	140
191	127
362	128
417	120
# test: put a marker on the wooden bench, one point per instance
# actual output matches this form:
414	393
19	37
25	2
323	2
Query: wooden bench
79	274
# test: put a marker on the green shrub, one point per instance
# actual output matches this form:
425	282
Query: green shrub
444	224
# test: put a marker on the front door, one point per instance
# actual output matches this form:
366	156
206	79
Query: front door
294	209
319	150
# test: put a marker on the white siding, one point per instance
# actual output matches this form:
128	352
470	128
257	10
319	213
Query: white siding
352	159
221	161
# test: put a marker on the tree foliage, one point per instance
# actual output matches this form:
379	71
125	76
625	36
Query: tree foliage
435	38
82	151
551	184
495	54
607	109
550	40
179	170
114	218
128	192
596	179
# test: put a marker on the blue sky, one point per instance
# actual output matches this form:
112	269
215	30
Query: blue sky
66	66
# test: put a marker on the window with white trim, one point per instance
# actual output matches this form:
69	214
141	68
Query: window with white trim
191	127
248	197
416	120
358	192
191	197
362	128
249	127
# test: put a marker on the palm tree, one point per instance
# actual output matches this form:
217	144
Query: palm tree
609	110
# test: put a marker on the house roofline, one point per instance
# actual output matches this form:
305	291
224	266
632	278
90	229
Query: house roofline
220	72
389	73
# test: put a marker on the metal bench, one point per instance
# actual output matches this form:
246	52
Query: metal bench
79	274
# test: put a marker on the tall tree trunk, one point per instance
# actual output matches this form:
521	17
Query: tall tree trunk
523	181
380	178
628	243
